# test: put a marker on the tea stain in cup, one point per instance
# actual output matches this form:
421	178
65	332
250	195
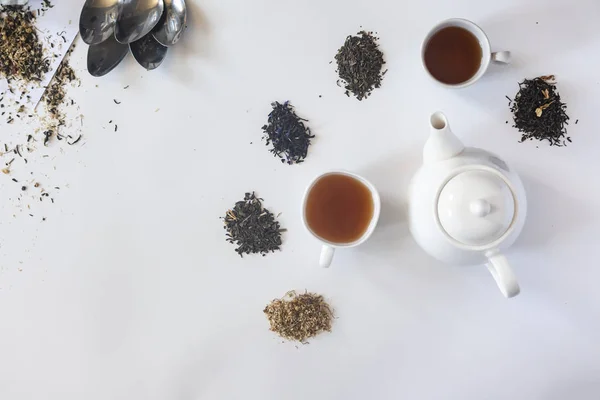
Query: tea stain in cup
339	208
453	55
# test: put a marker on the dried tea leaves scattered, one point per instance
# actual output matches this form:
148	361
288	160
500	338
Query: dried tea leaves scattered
287	133
252	228
299	317
55	98
360	63
539	113
24	60
21	51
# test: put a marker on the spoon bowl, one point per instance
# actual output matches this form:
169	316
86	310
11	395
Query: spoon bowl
97	20
172	23
148	52
13	2
104	57
137	18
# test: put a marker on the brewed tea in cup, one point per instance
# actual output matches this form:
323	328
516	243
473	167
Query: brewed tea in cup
340	209
456	53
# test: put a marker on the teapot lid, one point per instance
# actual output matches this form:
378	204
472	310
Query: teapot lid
476	207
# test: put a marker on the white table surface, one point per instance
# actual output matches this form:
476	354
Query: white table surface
129	291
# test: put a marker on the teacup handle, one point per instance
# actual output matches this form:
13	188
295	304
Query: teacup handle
502	57
502	273
327	253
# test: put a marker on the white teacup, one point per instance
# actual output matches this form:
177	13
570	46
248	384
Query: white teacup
502	57
328	249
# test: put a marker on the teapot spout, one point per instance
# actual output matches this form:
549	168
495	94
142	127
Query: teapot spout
442	143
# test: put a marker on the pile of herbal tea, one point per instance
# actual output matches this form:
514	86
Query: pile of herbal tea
288	135
299	317
360	63
539	113
252	228
25	59
21	51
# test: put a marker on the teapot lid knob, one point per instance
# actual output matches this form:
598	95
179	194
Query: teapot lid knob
480	207
476	207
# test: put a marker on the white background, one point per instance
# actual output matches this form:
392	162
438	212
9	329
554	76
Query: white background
129	291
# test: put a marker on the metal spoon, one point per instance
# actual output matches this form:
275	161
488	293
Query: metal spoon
97	20
13	2
148	52
172	23
104	57
137	18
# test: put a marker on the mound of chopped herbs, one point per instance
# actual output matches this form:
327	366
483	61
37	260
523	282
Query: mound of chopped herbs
287	133
539	113
252	228
360	63
21	52
299	317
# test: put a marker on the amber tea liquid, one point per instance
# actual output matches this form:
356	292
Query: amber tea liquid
339	208
453	55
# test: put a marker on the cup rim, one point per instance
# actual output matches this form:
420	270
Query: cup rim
374	219
486	56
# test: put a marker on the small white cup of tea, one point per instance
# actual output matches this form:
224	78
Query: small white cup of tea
341	210
456	53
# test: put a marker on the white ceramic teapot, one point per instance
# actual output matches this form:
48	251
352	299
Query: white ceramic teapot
466	205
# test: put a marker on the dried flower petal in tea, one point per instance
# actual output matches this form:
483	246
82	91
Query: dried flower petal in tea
299	317
287	133
539	113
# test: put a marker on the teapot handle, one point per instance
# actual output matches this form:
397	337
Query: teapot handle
500	269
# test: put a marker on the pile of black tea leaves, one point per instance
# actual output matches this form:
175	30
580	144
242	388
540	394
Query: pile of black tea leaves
287	134
21	51
538	112
360	64
299	317
252	228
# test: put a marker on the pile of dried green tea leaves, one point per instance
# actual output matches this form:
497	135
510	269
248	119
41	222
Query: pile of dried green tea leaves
360	64
299	317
